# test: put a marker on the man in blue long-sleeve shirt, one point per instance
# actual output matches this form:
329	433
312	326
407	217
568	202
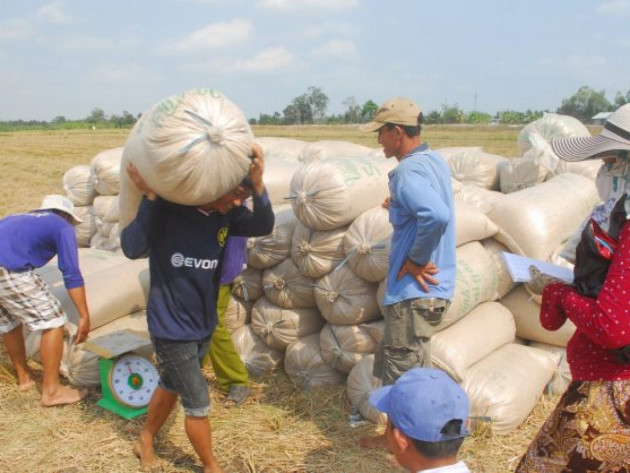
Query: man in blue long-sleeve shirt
185	245
423	243
29	241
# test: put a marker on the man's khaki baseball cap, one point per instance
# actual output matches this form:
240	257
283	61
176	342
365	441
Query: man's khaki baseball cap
399	111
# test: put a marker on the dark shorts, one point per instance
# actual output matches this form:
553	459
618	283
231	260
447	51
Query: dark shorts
179	365
406	342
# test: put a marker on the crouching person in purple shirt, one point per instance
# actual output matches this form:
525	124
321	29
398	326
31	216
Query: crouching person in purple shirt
29	241
185	245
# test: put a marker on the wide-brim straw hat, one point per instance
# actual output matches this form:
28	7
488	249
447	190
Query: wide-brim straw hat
614	137
62	203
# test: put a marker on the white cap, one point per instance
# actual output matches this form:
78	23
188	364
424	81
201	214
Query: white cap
59	202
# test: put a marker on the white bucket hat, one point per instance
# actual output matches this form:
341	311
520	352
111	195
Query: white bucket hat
59	202
614	137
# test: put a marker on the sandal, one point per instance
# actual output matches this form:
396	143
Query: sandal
237	395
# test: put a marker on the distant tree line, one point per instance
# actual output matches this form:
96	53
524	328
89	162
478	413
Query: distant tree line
97	119
310	108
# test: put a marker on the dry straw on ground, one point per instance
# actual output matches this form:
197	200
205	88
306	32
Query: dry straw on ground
281	430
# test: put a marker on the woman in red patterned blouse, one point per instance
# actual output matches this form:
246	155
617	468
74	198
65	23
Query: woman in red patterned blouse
589	429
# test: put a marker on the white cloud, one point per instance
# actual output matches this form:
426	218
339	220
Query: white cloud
314	4
268	60
13	30
580	62
615	7
119	74
328	29
83	44
54	13
214	36
335	49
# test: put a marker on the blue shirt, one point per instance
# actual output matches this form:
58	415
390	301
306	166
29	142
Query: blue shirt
185	248
422	213
31	240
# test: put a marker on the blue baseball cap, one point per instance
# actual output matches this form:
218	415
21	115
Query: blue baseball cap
421	402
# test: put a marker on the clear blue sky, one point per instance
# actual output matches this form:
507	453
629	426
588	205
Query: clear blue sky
67	57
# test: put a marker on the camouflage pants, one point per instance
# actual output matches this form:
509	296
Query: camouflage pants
407	339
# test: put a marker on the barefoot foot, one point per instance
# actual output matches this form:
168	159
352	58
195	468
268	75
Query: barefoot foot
143	450
26	385
63	395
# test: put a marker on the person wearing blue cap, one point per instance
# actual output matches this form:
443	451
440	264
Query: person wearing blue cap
427	414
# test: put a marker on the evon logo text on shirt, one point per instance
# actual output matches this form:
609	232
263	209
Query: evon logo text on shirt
178	260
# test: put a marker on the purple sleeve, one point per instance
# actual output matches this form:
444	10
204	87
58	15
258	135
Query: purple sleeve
68	257
234	258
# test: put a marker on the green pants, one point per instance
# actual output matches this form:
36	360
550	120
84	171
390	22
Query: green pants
226	362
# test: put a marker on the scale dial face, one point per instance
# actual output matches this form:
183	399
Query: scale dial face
133	380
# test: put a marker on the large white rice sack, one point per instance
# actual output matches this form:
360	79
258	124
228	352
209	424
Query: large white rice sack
367	244
269	250
477	167
345	298
78	185
471	224
279	327
521	173
86	229
343	346
105	207
332	149
111	293
105	167
329	194
317	252
550	125
238	313
487	327
248	284
286	286
90	261
587	168
360	384
81	366
448	152
539	218
476	282
107	237
306	368
562	377
281	149
526	312
495	249
278	175
484	199
191	148
506	385
256	355
375	329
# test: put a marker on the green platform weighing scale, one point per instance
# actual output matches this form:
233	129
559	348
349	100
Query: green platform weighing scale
128	379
